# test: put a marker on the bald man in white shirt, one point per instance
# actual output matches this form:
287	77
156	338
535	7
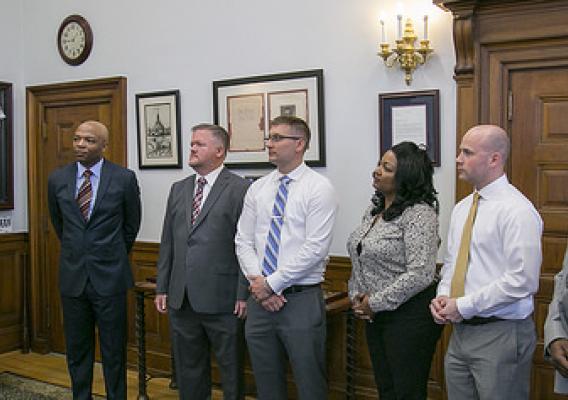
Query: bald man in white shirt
283	238
493	339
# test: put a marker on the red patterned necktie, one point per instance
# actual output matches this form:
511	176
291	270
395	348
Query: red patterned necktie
196	207
85	194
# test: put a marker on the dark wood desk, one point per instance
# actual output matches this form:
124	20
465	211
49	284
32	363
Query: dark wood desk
337	303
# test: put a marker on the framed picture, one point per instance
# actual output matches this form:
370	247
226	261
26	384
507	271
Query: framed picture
159	129
245	107
411	116
6	134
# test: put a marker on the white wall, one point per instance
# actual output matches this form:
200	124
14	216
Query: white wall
186	44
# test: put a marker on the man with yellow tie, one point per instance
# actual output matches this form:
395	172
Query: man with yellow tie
489	277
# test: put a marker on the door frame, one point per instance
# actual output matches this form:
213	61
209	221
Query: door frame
38	98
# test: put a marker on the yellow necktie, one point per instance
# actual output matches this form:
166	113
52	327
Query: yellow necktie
458	280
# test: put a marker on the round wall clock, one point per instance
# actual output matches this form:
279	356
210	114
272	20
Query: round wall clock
74	40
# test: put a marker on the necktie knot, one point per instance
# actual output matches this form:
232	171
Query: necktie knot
285	179
87	173
201	181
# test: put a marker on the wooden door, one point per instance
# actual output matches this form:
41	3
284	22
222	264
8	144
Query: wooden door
539	168
54	112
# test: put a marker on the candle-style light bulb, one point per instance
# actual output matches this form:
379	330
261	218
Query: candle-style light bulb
382	24
399	13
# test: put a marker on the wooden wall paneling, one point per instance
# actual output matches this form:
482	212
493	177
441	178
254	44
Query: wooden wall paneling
13	262
144	258
465	77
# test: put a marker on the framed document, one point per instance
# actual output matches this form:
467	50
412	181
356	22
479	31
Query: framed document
245	107
6	151
411	116
159	130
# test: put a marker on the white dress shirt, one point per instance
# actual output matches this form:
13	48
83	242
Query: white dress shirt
95	179
211	177
504	255
306	234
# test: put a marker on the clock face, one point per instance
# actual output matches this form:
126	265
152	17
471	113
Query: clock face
74	40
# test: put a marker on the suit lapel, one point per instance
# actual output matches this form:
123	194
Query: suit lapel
104	181
213	196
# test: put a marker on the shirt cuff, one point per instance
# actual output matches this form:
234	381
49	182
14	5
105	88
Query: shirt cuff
276	283
465	307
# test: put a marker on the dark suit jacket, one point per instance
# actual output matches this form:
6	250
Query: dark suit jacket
97	249
201	257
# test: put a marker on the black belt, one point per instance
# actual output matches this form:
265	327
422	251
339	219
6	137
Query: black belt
481	320
299	288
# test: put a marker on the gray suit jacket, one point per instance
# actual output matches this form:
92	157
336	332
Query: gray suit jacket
556	325
200	258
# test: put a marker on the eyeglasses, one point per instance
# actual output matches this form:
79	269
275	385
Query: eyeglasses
277	138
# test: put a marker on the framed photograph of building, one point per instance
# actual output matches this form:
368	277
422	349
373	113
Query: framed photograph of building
159	129
6	150
411	116
245	107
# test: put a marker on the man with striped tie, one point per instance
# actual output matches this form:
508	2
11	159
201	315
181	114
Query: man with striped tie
283	238
199	283
95	210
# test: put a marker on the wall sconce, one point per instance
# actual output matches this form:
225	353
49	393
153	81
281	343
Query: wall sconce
405	53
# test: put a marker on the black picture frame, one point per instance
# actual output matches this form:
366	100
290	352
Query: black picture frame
427	101
158	120
262	98
6	147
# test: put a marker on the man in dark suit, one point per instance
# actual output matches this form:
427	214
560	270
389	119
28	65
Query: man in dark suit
95	210
199	279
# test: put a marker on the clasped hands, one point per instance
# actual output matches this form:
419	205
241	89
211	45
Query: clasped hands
559	355
261	291
445	310
361	307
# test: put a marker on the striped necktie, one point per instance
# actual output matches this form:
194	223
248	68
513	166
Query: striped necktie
270	261
460	271
85	194
196	206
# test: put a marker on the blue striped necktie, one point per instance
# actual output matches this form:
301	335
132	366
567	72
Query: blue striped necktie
270	262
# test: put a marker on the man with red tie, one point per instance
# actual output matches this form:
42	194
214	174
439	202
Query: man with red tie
95	210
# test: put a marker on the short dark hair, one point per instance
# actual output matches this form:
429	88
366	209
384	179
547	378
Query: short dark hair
218	131
297	124
413	181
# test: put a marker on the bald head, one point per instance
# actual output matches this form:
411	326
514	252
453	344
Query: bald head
89	142
492	138
97	128
483	154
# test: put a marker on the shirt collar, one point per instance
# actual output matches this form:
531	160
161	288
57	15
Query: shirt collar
494	188
212	176
294	175
95	169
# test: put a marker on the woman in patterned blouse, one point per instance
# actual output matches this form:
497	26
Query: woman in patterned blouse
393	256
